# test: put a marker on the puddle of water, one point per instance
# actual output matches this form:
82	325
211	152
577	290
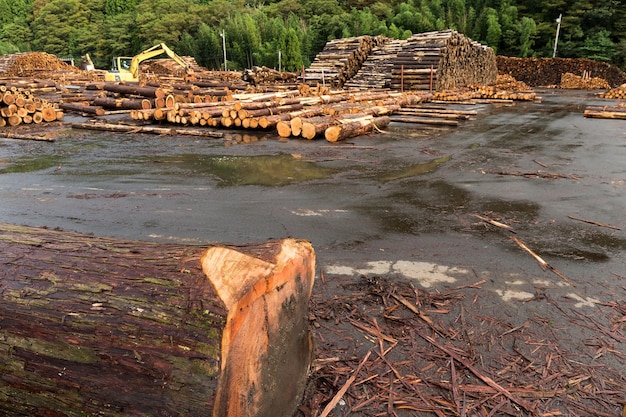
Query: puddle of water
32	164
265	170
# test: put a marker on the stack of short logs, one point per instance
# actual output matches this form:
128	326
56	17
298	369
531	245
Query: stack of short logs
583	82
617	92
442	60
340	60
548	71
376	70
427	61
19	106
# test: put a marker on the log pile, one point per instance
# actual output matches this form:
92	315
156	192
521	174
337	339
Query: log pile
340	60
291	114
19	106
442	60
504	88
584	82
617	92
376	70
548	71
606	112
27	64
156	69
264	75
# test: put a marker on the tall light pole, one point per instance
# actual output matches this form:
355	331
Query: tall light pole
280	55
558	28
223	35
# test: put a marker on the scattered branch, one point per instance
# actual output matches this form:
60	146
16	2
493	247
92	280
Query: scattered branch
543	264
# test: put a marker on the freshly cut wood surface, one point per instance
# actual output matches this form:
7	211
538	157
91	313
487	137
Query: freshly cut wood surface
266	344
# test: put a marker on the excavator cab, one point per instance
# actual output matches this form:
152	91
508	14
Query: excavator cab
120	69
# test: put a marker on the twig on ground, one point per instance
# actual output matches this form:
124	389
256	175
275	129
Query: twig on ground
543	264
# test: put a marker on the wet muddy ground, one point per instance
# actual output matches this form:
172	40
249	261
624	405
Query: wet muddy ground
398	206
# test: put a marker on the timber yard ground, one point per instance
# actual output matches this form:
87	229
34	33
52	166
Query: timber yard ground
392	217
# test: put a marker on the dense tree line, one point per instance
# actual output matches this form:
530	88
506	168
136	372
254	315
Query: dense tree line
289	33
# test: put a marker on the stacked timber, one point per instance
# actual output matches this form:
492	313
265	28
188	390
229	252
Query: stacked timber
19	106
504	88
376	70
291	114
548	71
264	75
29	63
606	112
617	92
41	65
442	60
584	82
340	60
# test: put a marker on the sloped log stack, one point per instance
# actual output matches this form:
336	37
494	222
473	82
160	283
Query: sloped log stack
548	71
617	92
441	61
340	60
376	70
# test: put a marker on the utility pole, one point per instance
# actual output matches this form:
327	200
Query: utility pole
279	59
558	28
223	35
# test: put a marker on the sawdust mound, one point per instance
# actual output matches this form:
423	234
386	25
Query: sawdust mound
26	64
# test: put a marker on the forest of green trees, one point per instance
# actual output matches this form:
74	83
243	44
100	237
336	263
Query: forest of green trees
257	32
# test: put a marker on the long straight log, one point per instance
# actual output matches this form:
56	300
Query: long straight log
110	127
97	326
80	108
149	92
122	103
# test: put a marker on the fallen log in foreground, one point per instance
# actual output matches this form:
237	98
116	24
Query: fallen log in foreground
111	127
95	326
349	128
605	114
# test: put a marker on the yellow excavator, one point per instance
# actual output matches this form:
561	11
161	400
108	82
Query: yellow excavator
127	68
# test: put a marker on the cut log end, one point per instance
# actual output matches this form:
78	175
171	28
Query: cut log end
266	345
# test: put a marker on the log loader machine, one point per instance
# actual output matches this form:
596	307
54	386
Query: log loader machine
127	68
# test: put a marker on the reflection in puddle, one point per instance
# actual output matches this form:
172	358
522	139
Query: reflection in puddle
30	164
265	170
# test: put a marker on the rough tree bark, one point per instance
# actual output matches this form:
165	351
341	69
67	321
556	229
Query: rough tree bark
97	326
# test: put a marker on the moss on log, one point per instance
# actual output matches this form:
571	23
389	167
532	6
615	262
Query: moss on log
98	326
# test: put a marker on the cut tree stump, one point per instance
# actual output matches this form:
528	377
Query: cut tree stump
98	326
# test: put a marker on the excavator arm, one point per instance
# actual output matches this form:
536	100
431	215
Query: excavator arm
123	71
151	53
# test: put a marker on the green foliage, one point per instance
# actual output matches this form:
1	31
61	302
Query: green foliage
527	33
257	29
7	48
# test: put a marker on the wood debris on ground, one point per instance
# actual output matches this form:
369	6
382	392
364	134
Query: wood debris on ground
441	353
